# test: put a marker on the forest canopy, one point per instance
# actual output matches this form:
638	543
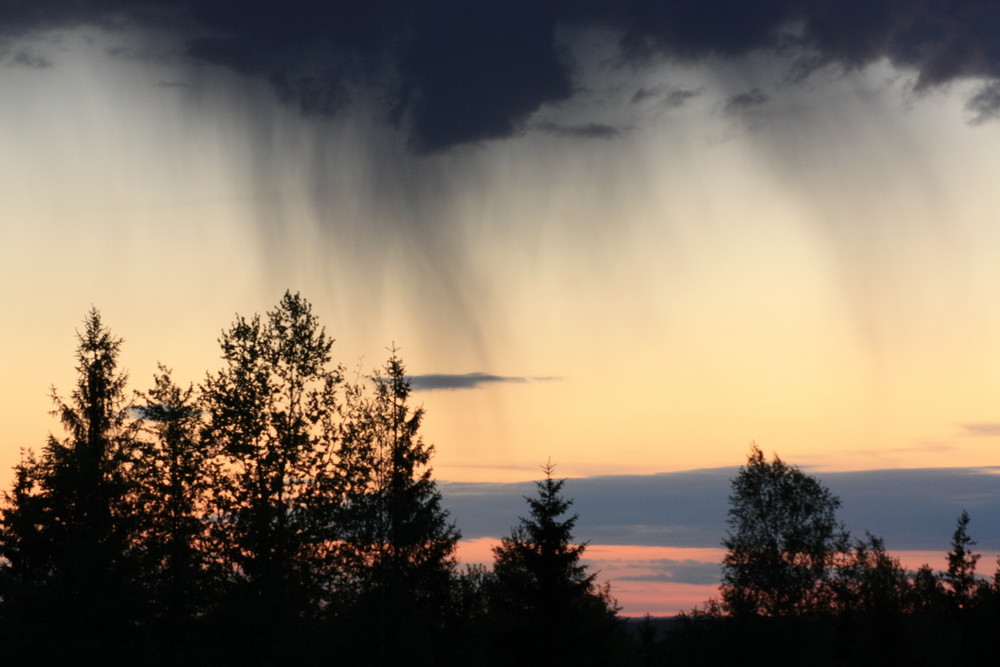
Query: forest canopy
281	512
276	510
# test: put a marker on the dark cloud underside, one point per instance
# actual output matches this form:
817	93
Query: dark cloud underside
453	72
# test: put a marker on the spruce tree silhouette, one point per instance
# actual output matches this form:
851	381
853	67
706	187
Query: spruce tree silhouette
396	544
546	608
963	584
68	526
172	470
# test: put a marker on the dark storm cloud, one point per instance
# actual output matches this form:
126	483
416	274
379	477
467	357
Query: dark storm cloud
455	72
477	70
911	509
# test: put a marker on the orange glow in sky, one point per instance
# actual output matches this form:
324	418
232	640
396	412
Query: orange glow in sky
817	273
636	573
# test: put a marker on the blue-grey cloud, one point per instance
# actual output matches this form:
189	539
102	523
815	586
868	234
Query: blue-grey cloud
676	98
587	130
675	509
917	509
665	96
27	58
431	381
911	509
453	73
984	106
675	572
746	100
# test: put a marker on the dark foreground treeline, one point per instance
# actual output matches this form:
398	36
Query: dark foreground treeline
277	513
280	513
798	590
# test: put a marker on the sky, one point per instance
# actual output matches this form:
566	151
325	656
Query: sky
630	237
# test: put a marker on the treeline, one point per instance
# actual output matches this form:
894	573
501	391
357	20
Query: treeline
280	512
277	513
797	589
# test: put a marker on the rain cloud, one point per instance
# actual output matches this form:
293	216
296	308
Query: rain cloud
452	73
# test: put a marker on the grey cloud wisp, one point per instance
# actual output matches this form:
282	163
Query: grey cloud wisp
453	72
432	381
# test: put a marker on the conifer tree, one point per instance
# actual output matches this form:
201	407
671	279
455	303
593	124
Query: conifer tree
24	548
546	608
926	592
68	526
173	474
961	576
396	542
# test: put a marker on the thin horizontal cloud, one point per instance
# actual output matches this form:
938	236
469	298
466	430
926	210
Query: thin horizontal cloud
983	429
644	93
679	97
675	571
669	98
432	381
586	130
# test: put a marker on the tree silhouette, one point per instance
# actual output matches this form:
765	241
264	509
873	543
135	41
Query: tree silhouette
782	541
396	544
69	527
24	544
270	411
961	576
173	476
869	581
545	605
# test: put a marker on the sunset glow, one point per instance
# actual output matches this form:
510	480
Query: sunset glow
684	255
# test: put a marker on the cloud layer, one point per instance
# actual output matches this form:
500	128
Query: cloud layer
911	509
453	73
